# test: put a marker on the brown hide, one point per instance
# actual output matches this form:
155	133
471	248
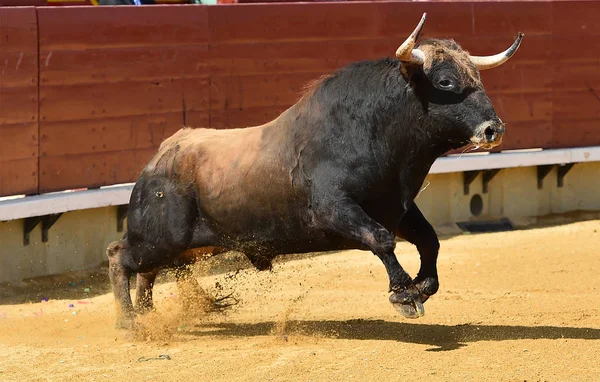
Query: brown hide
242	172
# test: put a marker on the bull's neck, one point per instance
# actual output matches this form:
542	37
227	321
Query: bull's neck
414	144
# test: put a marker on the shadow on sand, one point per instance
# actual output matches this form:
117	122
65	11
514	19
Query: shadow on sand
441	337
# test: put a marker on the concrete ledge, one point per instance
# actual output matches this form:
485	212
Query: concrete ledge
20	207
64	201
517	158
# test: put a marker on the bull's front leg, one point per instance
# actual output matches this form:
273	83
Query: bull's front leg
345	217
415	229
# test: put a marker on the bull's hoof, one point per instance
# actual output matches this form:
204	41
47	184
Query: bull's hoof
142	309
408	303
225	302
126	323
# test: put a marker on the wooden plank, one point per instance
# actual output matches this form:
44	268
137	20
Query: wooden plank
517	79
524	135
241	92
226	67
575	133
576	77
18	65
302	56
114	86
297	56
107	135
577	105
19	69
118	27
18	105
574	49
197	119
297	22
234	118
576	18
92	170
19	29
18	101
18	141
523	107
19	176
119	99
576	94
153	63
495	18
22	3
196	99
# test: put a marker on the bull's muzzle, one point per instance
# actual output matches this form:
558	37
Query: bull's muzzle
488	134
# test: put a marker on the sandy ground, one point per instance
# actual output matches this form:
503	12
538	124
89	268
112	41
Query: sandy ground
515	306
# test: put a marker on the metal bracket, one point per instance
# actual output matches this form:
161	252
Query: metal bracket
542	172
32	222
561	172
121	215
468	178
488	175
28	226
47	223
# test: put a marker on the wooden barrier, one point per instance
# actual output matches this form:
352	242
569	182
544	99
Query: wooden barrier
115	81
18	101
113	86
289	44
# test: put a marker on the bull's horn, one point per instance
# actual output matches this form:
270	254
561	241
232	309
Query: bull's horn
489	62
406	51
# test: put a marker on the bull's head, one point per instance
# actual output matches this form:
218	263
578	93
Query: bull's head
446	80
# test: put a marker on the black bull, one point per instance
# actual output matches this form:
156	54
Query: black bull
337	170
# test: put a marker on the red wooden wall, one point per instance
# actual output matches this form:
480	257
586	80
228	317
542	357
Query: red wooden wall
18	101
115	81
113	88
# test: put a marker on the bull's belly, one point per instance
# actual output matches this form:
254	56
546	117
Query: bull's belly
278	235
287	244
285	230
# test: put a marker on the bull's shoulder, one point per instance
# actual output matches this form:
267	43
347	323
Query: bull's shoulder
187	148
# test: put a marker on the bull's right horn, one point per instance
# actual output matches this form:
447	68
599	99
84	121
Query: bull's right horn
407	52
489	62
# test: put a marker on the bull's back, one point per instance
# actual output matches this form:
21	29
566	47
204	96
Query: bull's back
242	181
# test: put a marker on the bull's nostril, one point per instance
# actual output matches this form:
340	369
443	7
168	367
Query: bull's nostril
489	133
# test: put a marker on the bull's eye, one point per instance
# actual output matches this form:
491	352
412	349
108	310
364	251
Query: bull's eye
446	84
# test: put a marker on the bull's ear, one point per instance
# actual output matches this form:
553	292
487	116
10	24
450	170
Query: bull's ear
412	74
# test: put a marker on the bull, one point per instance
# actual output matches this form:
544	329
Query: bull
338	170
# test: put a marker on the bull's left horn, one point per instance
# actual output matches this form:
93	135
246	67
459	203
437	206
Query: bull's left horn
489	62
406	51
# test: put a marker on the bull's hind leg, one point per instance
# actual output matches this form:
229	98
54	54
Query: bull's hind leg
119	274
143	292
415	229
192	295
